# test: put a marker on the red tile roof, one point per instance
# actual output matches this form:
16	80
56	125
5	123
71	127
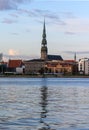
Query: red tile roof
14	63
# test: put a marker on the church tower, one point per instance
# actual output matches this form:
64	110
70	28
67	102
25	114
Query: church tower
44	50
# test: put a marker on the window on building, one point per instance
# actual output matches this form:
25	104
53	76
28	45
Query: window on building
80	66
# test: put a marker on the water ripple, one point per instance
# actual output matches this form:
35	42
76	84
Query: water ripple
44	104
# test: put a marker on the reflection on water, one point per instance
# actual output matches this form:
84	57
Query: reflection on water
44	104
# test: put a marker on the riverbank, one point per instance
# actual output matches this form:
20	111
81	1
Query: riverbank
45	76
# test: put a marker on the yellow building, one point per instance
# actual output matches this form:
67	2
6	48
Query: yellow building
60	67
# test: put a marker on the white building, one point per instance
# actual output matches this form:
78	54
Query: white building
16	66
83	66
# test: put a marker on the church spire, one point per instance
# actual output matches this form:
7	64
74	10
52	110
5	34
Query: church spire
44	49
44	41
44	30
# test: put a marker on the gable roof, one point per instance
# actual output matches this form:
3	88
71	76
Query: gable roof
54	57
14	63
35	60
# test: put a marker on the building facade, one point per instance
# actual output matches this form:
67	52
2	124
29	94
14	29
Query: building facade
15	67
52	64
83	66
61	67
34	66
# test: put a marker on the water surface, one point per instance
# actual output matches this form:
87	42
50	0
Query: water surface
44	104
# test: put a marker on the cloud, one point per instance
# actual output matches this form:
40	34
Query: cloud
52	17
28	30
14	34
14	15
30	13
11	4
68	15
77	52
6	57
70	33
8	21
12	52
46	14
77	25
5	4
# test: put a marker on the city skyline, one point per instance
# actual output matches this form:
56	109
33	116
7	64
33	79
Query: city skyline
21	26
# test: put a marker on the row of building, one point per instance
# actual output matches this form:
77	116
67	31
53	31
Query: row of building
48	64
65	67
38	67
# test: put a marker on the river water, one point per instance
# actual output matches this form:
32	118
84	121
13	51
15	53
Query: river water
44	104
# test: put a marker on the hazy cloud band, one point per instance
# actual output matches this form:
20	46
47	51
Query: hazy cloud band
11	4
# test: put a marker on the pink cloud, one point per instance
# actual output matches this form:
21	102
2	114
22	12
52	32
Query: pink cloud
28	12
12	52
70	33
14	15
23	11
5	4
8	21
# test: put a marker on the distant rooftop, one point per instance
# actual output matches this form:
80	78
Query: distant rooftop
35	60
49	58
14	63
54	57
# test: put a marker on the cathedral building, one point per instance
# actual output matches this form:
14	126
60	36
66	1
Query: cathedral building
35	65
48	63
44	49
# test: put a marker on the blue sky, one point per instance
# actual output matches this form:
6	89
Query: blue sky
21	26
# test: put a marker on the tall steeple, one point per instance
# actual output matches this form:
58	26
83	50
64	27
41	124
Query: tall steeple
44	32
75	56
44	49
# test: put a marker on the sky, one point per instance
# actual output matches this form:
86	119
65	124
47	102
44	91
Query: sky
21	28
